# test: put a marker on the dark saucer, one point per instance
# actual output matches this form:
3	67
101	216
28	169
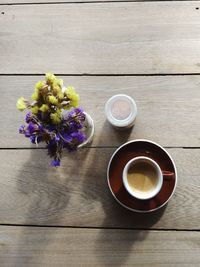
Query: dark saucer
131	150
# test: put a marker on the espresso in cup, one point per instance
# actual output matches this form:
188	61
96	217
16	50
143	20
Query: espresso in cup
142	177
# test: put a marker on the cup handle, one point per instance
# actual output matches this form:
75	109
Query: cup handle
167	175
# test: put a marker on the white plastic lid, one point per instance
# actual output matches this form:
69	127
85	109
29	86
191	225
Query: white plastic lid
121	110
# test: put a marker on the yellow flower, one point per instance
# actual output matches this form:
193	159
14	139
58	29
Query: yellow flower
74	103
50	78
44	90
53	100
39	86
60	96
35	96
56	89
44	108
58	111
21	104
59	82
73	96
55	117
35	110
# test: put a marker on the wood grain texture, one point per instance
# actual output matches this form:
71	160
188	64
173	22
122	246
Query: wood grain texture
27	246
121	38
76	194
168	108
70	1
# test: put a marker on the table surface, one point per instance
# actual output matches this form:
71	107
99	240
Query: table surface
66	216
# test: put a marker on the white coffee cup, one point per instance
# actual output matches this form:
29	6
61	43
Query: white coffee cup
140	194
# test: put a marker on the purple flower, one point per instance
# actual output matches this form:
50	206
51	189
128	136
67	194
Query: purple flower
79	136
33	138
27	133
74	139
39	115
74	125
66	135
75	119
39	138
52	148
51	127
40	128
55	162
28	117
57	138
32	127
76	111
21	129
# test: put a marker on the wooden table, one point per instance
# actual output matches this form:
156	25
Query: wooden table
67	216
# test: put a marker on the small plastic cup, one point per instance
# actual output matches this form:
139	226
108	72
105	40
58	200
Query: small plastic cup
121	111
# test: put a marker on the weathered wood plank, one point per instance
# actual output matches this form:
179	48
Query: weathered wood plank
156	37
70	1
168	108
29	246
76	194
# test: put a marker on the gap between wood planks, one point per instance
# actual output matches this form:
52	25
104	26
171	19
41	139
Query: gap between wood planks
103	75
106	228
90	147
93	2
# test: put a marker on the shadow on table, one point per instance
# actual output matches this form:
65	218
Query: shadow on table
46	195
114	246
118	136
110	243
47	192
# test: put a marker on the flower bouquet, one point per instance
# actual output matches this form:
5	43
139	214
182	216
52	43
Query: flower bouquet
54	117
